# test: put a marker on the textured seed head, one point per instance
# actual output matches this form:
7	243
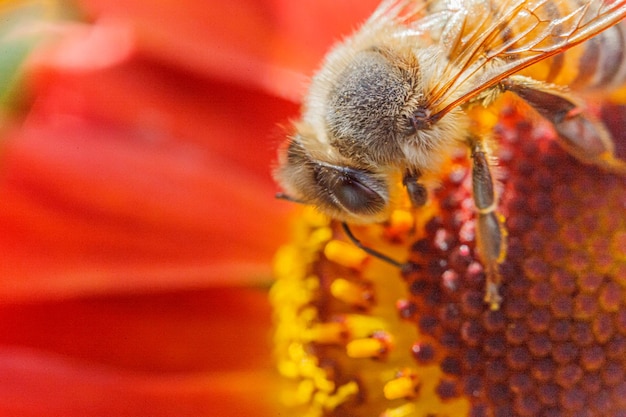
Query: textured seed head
426	344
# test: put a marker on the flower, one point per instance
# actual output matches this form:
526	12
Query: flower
358	337
138	223
137	213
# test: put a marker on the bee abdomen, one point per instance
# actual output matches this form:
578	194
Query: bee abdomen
598	64
602	65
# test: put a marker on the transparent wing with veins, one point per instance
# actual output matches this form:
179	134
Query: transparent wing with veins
488	40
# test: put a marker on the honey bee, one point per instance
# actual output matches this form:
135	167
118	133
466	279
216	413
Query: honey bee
392	101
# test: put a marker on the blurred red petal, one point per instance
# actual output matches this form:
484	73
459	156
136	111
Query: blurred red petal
80	47
266	43
47	385
139	177
216	330
169	354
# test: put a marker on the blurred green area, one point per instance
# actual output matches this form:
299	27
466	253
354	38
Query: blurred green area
25	25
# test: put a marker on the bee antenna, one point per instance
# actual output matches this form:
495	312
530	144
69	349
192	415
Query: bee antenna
283	196
348	232
369	250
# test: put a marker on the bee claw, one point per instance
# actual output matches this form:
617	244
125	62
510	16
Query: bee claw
492	296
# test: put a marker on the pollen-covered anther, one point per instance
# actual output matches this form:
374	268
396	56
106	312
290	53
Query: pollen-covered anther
345	254
377	346
404	410
356	294
557	346
362	325
327	333
400	223
404	385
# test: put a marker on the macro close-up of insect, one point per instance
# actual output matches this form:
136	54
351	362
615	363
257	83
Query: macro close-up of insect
392	102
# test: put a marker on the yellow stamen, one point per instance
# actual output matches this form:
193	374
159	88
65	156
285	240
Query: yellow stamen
371	347
343	393
401	221
361	326
563	309
356	294
405	410
364	348
403	386
326	333
345	254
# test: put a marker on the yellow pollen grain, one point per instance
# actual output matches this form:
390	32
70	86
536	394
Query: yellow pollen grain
348	333
405	410
304	392
402	387
365	348
345	254
288	263
319	237
349	292
321	381
344	392
326	333
401	221
484	119
361	326
313	218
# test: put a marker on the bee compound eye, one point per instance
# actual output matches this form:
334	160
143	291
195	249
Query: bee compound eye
357	191
357	197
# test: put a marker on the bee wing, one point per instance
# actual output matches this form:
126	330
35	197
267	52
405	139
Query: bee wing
418	17
487	41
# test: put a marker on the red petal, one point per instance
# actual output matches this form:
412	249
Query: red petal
258	42
139	177
201	353
215	330
39	385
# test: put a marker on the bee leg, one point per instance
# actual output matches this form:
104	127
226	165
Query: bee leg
490	231
416	190
584	138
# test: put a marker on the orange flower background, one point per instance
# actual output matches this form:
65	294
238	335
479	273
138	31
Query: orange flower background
137	214
137	209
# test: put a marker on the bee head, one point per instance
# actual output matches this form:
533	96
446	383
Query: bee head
363	126
344	193
371	105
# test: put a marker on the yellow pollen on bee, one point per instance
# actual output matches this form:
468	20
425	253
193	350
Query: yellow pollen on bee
402	387
345	254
